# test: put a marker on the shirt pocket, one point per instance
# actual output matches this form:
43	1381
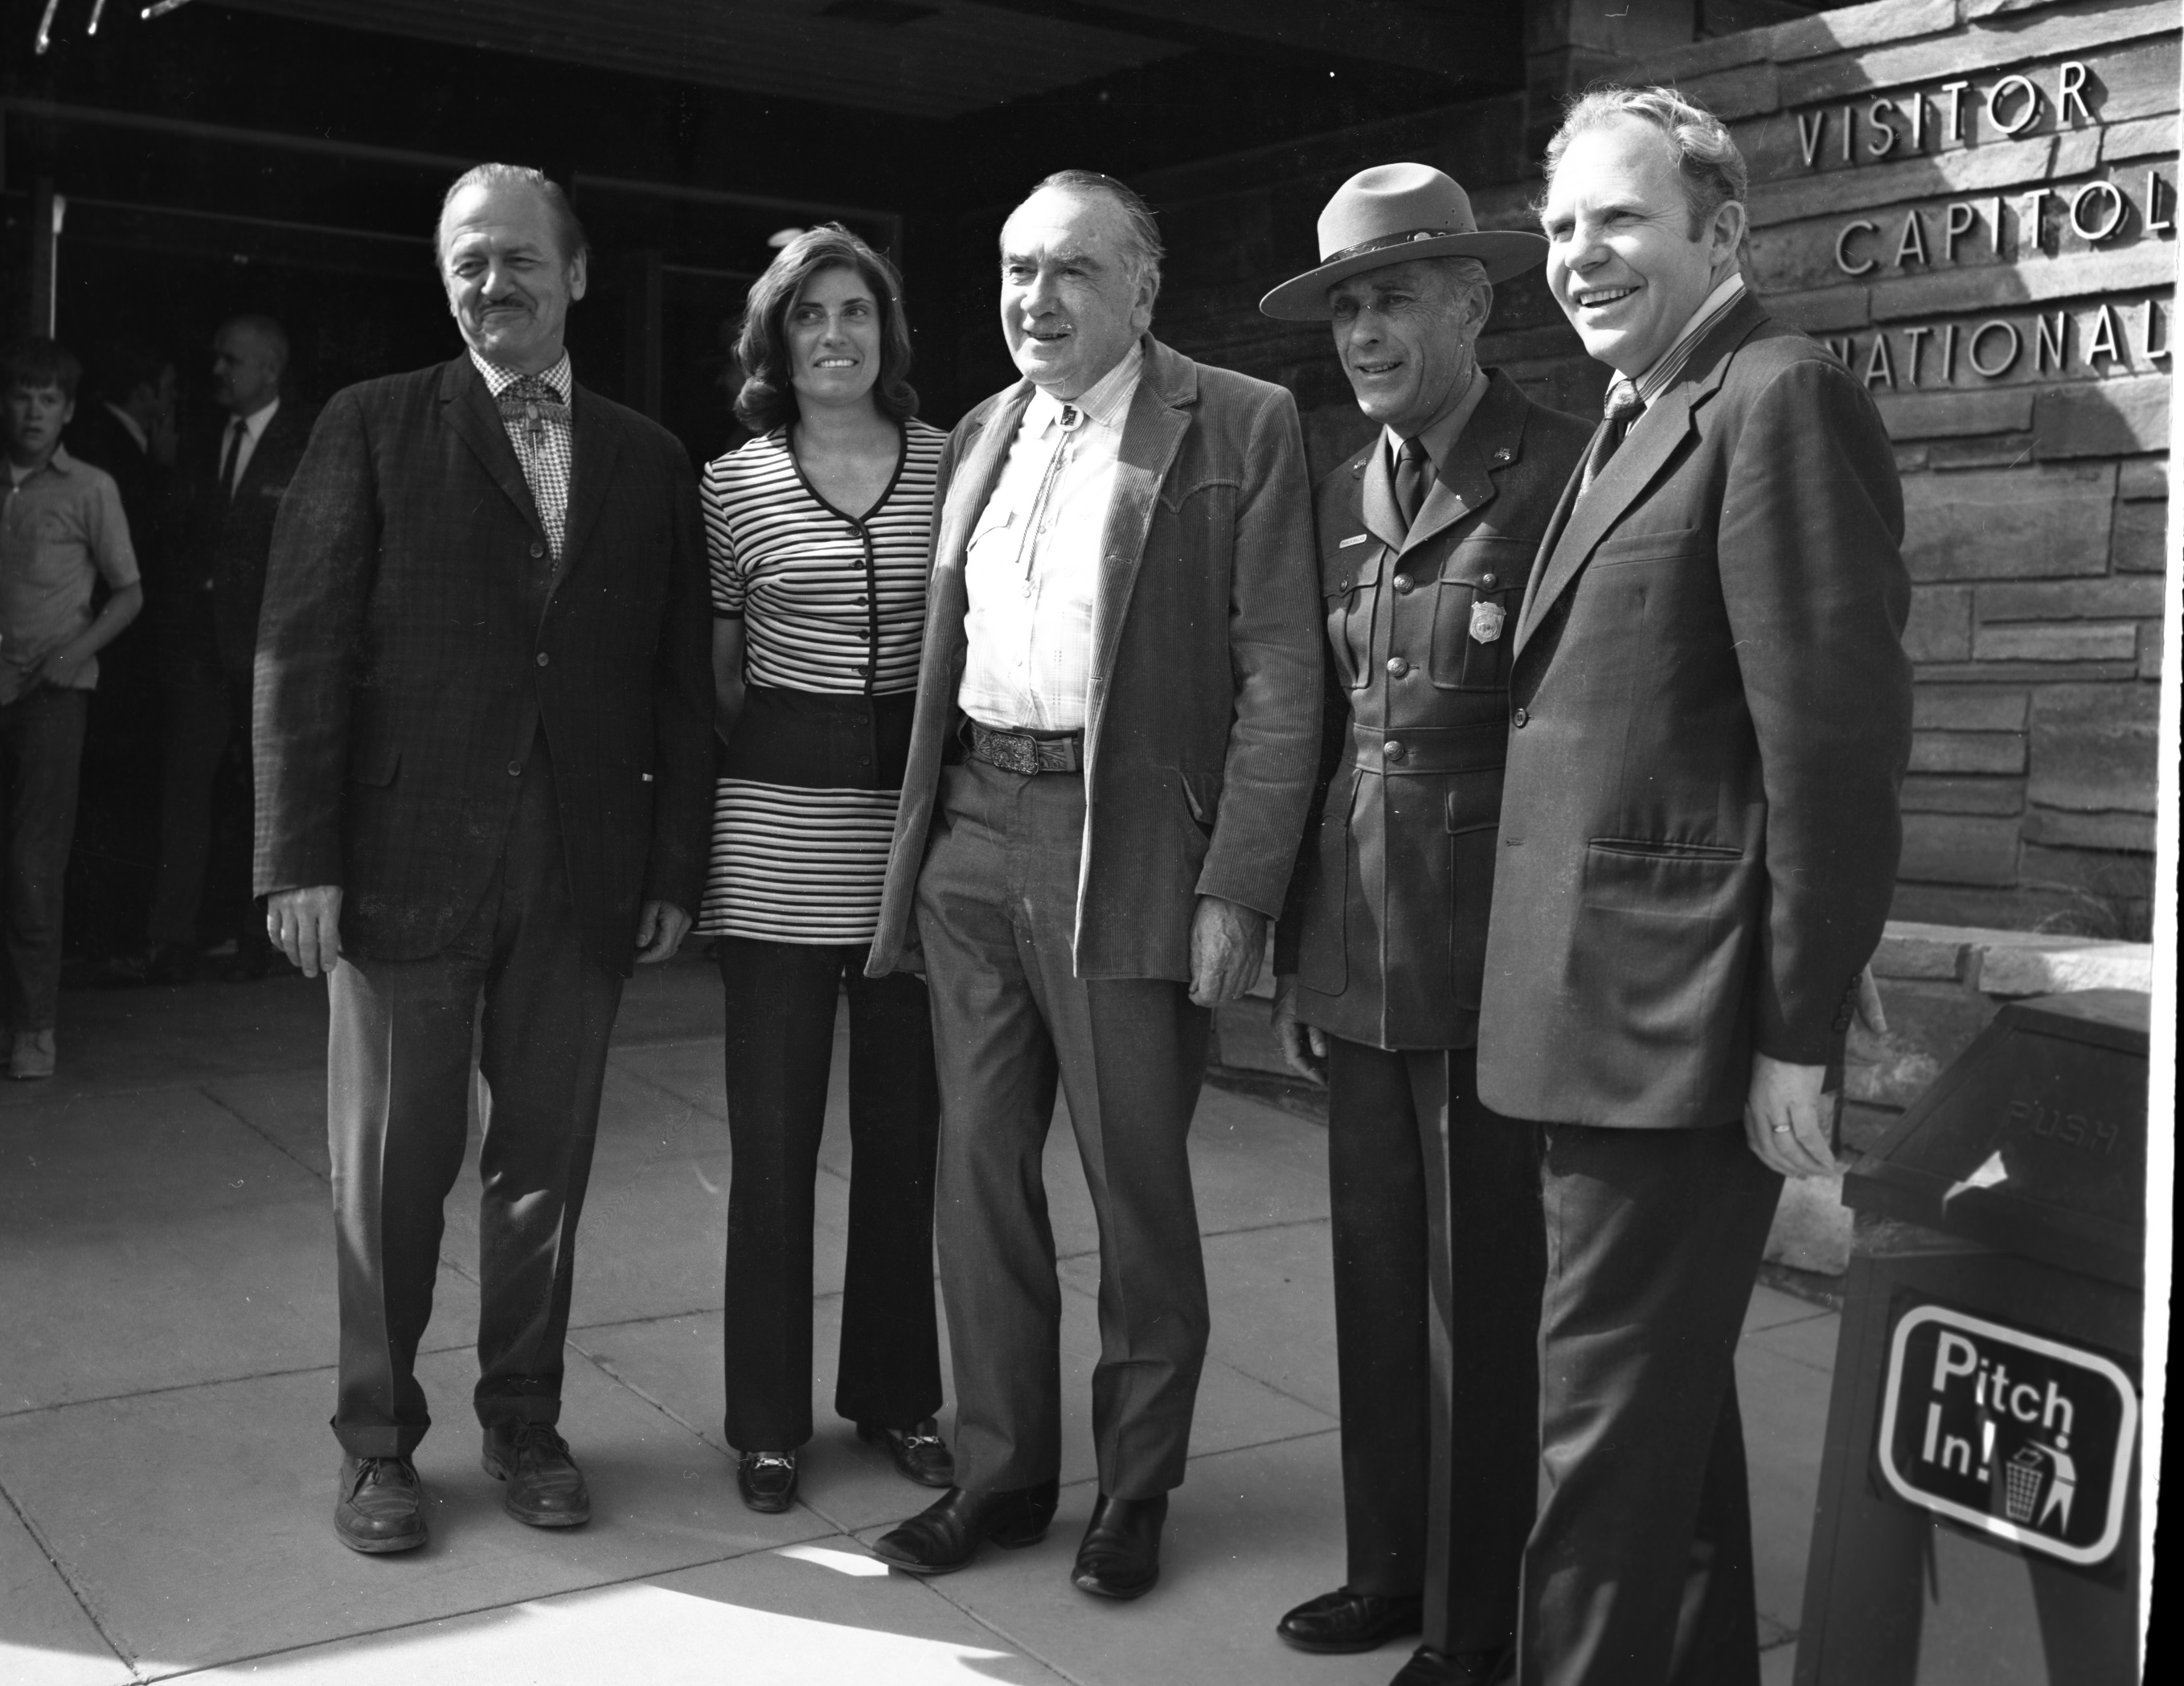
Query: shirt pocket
1350	586
1481	590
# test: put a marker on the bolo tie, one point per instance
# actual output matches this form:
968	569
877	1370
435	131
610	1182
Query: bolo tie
1071	419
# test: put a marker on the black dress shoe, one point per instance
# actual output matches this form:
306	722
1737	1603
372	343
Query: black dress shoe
1120	1556
946	1534
1430	1667
380	1505
1343	1621
766	1480
545	1487
919	1452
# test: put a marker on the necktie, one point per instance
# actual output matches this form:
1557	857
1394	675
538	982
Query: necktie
230	465
530	400
1413	477
1621	408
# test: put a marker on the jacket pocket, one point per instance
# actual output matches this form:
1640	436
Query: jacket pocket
1475	603
1651	547
1350	586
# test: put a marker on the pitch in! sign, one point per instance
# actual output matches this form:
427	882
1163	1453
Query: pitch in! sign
2010	1433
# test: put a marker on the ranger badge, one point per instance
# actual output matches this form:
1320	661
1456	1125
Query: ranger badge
1486	618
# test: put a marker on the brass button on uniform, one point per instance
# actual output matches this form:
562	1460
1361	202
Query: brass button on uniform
1401	583
1398	666
537	549
1487	579
1521	718
542	658
1392	749
515	769
1343	584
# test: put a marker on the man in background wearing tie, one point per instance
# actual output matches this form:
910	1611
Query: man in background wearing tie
484	745
208	612
1426	539
1711	719
1117	713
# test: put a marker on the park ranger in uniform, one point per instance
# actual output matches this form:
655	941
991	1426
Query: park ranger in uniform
1426	538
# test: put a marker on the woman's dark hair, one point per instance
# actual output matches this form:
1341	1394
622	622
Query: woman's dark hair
768	399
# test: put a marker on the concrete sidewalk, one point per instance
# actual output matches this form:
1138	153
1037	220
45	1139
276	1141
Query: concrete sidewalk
166	1475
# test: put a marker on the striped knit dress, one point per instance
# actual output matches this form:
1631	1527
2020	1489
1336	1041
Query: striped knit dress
833	610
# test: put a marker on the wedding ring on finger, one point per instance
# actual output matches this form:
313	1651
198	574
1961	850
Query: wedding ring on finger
1780	1129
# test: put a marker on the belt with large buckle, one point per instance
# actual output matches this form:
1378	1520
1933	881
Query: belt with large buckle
1021	752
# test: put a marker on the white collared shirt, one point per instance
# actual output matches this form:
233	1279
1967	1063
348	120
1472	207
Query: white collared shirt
1032	571
254	430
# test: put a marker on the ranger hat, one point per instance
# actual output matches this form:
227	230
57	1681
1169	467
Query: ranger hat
1393	214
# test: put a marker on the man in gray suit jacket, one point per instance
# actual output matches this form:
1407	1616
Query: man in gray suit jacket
1117	733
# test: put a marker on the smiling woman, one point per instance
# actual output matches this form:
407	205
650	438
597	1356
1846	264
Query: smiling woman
817	532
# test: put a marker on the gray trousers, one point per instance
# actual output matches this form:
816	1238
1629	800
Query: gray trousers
996	907
398	1093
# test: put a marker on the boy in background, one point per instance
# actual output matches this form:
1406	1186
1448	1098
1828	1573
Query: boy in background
61	531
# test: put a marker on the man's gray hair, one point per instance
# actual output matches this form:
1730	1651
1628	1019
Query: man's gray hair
1711	167
1144	250
568	232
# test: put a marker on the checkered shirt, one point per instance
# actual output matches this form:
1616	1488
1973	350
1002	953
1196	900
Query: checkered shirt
548	460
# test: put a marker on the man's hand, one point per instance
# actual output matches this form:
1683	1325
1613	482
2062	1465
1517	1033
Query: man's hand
659	929
305	925
1304	1047
1786	1117
1228	946
1871	1018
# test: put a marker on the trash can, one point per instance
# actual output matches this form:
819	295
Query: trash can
1978	1511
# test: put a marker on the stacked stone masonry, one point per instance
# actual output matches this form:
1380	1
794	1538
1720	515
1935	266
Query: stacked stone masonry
1996	261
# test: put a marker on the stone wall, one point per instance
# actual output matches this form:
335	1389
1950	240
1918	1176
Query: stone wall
2036	494
1973	202
1939	987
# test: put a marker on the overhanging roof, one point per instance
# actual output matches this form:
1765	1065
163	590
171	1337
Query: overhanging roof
937	59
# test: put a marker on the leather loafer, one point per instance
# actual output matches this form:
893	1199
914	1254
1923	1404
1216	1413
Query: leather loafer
766	1480
1343	1621
380	1505
920	1454
1430	1667
1120	1556
945	1536
545	1487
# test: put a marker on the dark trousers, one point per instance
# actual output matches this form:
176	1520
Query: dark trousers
780	1042
41	752
1639	1570
397	1087
996	908
206	712
1437	1276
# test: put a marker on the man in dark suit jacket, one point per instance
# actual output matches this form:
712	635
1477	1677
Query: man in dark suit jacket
484	757
1118	712
1426	539
206	596
1699	834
